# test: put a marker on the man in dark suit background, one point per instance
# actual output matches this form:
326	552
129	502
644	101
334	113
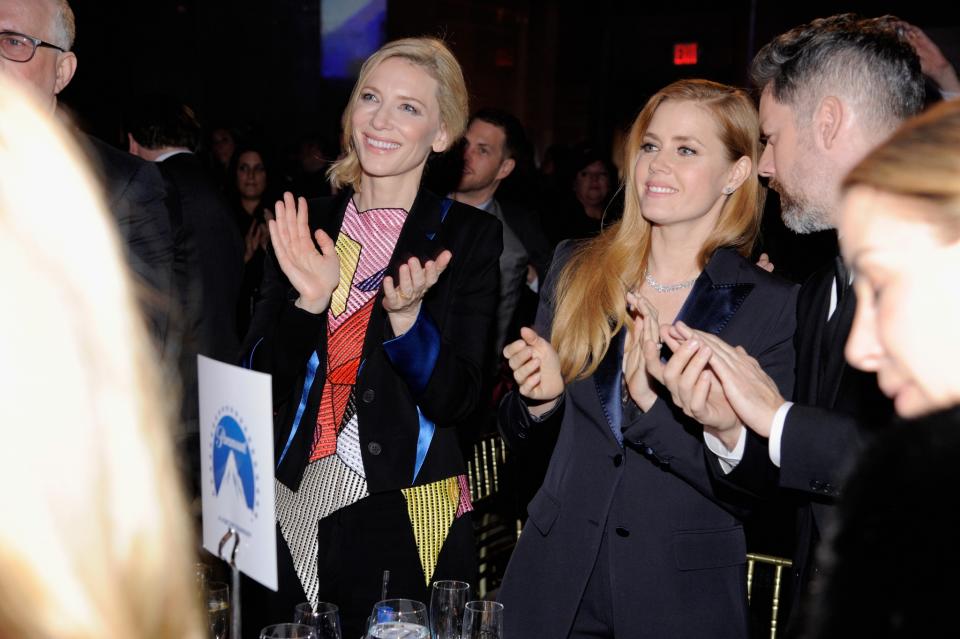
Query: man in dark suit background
209	251
831	91
495	141
133	189
166	132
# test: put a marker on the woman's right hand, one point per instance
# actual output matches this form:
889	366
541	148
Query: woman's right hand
315	274
536	369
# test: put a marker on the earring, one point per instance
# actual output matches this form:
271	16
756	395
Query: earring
727	190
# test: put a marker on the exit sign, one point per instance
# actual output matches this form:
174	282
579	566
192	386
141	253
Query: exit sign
685	53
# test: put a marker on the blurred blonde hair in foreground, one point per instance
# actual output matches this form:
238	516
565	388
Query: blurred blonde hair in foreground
95	540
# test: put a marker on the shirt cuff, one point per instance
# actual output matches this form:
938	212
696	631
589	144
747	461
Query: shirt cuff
776	432
728	458
534	285
950	95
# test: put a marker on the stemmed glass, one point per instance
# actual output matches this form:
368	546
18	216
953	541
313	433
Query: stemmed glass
325	619
398	619
483	620
217	595
288	631
447	601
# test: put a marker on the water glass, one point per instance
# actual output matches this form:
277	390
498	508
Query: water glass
324	618
483	620
217	595
288	631
399	619
447	601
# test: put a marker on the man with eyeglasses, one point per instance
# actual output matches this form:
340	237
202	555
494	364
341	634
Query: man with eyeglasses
35	41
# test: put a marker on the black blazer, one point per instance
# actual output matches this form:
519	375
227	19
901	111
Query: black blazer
209	282
837	411
136	197
461	306
677	552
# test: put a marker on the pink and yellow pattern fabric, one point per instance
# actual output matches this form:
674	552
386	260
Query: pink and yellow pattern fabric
335	477
432	509
364	246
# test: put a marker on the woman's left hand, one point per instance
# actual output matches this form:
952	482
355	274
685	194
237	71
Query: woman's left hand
642	337
402	299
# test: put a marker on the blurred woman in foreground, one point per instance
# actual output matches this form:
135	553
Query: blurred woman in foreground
892	565
95	541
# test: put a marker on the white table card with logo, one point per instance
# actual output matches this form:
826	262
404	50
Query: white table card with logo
236	454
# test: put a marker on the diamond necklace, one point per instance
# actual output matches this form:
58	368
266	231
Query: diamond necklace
667	288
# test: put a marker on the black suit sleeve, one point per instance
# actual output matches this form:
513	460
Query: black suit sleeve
136	197
817	448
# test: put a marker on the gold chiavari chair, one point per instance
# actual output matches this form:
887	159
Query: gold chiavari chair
496	533
777	564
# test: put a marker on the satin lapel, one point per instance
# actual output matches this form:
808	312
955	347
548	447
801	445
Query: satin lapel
417	239
607	380
835	364
710	305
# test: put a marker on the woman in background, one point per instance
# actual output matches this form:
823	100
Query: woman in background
252	199
581	212
95	542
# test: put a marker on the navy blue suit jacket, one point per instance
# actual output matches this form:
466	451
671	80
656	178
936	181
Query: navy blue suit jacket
677	549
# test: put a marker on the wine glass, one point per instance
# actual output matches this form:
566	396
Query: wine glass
324	618
288	631
398	619
218	609
483	620
447	601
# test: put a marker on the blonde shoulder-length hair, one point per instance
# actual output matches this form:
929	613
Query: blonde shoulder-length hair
437	60
95	541
590	306
922	160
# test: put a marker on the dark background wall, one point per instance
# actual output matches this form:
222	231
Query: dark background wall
569	70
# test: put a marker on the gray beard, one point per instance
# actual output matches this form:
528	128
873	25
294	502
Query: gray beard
801	216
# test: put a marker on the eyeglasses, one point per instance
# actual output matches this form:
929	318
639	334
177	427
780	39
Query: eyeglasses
18	47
